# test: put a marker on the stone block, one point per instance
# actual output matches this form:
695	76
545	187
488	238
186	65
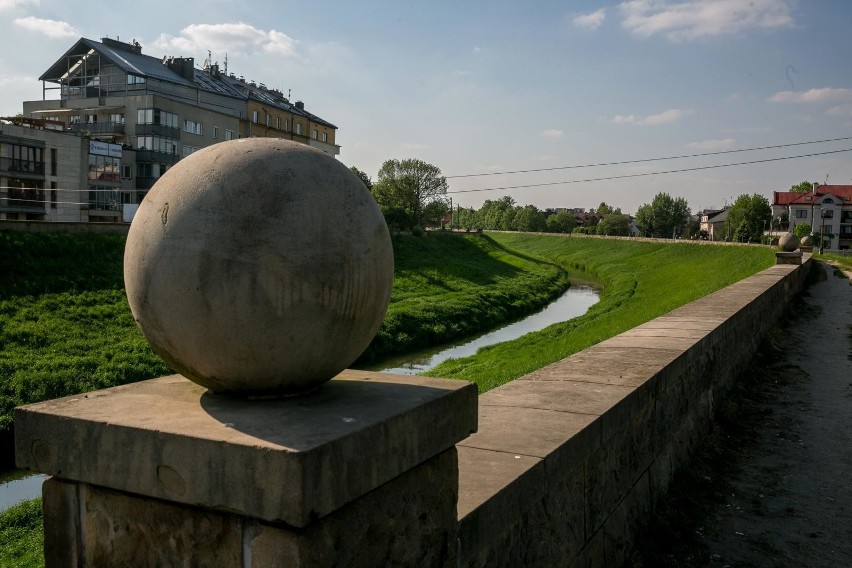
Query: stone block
60	507
623	526
287	461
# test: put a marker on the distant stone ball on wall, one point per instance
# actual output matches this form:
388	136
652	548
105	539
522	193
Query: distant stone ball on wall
788	242
259	266
807	241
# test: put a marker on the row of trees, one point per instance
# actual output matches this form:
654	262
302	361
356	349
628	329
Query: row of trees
412	194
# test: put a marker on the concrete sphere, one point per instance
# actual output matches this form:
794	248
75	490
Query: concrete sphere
259	266
807	241
788	242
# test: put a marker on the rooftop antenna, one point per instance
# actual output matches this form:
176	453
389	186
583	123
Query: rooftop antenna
226	63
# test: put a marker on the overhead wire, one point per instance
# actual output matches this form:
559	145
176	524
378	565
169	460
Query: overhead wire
645	174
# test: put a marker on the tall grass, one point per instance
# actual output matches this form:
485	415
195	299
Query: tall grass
641	281
22	535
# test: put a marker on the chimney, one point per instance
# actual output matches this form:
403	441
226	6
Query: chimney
300	105
183	66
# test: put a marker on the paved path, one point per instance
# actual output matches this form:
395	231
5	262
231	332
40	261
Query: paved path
777	490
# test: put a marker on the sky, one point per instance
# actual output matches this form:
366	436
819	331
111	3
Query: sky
488	87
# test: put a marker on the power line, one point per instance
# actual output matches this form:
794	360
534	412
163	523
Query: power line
662	172
645	160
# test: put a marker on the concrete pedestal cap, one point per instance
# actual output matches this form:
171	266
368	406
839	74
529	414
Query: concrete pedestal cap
259	266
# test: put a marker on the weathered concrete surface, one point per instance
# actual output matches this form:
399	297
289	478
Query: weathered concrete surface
570	459
259	265
289	461
409	521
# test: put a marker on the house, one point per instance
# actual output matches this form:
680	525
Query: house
712	223
132	116
827	209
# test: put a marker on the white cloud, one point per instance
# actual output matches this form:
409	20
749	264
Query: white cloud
552	133
841	110
12	4
684	21
712	145
234	38
50	28
812	96
665	117
590	21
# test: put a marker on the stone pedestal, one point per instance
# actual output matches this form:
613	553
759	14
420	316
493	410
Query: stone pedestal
362	472
788	257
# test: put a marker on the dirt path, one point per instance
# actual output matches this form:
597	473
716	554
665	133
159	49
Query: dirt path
775	488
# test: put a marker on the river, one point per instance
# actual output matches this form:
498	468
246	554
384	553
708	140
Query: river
17	485
572	303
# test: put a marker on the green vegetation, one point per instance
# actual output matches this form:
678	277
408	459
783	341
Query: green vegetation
641	281
65	326
449	286
22	535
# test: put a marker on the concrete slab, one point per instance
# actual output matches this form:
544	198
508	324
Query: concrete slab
283	460
650	342
564	396
486	473
534	432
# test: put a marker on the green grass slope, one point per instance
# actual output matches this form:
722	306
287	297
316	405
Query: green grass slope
641	281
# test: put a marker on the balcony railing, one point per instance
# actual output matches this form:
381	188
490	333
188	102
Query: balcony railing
21	166
22	199
157	130
100	128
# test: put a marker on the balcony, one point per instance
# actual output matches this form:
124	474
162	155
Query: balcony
158	130
22	200
99	128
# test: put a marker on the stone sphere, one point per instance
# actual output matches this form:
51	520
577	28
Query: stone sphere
259	266
788	242
807	241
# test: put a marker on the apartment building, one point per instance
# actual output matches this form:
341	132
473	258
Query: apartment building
128	117
827	209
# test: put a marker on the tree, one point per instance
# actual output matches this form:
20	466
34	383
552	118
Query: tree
561	222
365	179
804	187
409	185
802	230
748	217
497	215
665	216
605	209
528	218
614	225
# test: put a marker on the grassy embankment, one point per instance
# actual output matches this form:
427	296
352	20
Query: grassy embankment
22	535
65	326
641	281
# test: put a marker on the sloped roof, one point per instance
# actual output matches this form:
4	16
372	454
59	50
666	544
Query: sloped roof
841	192
136	64
272	98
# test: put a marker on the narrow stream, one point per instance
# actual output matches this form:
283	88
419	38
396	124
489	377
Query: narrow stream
17	485
573	303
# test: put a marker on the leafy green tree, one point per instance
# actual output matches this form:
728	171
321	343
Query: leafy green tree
497	215
409	185
605	209
665	216
802	230
614	225
434	211
748	217
561	222
365	179
804	187
529	218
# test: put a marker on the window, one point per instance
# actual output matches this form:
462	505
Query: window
134	80
215	132
268	121
325	136
229	135
157	144
801	214
254	116
156	116
298	128
116	118
53	192
314	134
827	213
91	119
192	127
104	168
187	150
74	119
126	172
278	123
27	159
287	125
53	161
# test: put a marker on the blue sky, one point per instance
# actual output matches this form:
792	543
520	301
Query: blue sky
480	87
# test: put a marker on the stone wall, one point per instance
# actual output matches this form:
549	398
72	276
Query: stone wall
569	461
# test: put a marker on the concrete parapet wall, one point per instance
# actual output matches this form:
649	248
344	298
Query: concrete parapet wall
569	461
